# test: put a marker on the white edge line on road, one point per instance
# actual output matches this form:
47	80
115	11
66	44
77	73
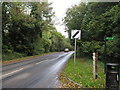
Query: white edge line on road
42	61
11	72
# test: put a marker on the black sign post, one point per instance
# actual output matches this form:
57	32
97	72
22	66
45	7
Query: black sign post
105	56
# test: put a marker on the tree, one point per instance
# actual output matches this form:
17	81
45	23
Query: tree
96	20
28	29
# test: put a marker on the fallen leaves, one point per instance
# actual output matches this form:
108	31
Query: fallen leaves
67	83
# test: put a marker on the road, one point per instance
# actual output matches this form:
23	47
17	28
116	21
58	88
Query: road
40	72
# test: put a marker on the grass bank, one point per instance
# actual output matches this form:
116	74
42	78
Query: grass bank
10	58
82	73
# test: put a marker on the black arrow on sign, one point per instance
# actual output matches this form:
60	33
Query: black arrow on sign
75	34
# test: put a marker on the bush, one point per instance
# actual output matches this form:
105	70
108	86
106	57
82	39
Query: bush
10	56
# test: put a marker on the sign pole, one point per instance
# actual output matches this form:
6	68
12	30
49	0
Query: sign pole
74	35
75	53
105	56
105	53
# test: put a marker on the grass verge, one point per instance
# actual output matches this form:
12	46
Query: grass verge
7	61
82	73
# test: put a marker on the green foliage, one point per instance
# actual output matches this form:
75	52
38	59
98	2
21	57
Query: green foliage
46	41
28	29
96	20
59	42
10	56
38	46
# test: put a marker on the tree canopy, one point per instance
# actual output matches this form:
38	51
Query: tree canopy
28	29
96	20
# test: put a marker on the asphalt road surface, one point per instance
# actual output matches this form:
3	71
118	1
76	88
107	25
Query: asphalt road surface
40	72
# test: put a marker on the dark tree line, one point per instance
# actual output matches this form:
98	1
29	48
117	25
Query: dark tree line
28	29
96	20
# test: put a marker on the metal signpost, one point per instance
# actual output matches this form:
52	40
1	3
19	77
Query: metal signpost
105	56
106	38
74	35
111	71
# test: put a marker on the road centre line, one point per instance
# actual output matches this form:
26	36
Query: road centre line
42	61
18	70
23	68
11	72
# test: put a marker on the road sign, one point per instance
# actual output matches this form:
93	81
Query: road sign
76	34
109	38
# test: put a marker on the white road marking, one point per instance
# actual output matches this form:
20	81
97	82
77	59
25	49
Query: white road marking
11	72
19	70
42	61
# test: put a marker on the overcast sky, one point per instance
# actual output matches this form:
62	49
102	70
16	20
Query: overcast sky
60	7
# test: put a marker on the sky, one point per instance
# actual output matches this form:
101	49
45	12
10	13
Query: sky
60	7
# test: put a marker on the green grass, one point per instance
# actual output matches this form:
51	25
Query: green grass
82	73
